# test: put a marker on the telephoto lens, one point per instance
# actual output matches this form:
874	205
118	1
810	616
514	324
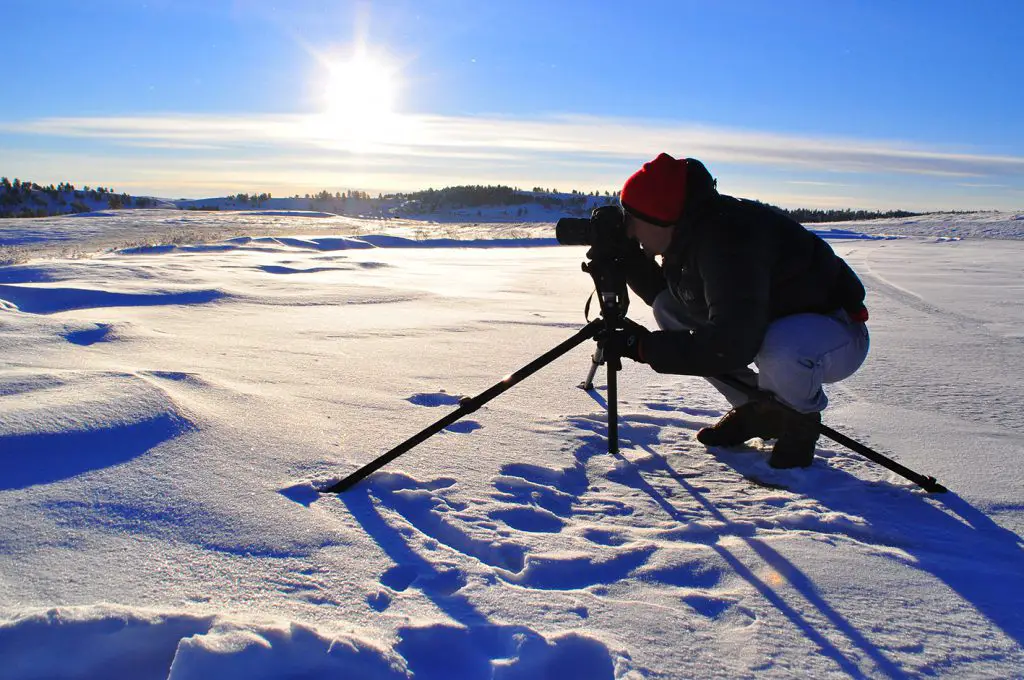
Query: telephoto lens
573	231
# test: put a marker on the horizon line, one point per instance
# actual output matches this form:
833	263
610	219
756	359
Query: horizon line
309	196
192	154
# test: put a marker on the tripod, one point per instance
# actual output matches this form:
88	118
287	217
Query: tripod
605	268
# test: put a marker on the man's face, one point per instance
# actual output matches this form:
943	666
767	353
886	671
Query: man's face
652	238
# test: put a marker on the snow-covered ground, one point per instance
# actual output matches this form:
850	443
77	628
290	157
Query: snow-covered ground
167	414
85	234
89	233
984	224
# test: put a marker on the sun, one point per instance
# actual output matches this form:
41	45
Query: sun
359	96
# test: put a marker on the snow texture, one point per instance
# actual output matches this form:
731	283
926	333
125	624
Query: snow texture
169	413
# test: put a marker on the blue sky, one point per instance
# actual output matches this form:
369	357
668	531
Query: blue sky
896	104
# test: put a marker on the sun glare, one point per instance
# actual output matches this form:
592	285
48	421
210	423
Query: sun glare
359	100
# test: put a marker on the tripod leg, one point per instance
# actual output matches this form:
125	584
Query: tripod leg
470	405
929	484
595	361
613	405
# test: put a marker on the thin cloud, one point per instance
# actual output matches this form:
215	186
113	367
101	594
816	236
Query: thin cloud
813	183
507	140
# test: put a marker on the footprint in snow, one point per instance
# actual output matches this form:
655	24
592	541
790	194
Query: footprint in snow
434	399
531	519
89	334
398	577
604	537
507	651
426	508
663	406
570	480
401	577
721	609
463	426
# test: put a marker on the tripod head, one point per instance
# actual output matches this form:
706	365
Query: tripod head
605	266
605	233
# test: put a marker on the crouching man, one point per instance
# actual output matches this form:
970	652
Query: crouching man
739	283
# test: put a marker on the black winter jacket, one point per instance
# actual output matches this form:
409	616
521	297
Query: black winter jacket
736	266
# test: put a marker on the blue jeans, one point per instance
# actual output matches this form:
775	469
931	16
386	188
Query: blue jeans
799	353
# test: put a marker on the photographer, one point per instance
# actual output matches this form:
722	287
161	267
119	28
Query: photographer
739	283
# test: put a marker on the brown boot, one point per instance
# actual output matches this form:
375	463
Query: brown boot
753	419
795	447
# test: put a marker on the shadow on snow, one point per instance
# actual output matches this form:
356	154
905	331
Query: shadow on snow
42	458
53	300
941	544
476	647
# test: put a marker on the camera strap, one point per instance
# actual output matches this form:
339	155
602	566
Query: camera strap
586	307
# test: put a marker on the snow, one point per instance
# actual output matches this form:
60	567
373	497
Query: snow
945	226
168	411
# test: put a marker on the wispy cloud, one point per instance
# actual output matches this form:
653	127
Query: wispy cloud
814	183
506	139
183	154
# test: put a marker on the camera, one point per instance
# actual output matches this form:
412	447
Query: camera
605	230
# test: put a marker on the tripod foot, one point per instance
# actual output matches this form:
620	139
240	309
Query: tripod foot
932	485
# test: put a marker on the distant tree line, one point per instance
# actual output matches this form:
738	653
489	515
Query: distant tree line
29	199
474	196
808	216
477	196
254	198
430	200
608	194
339	196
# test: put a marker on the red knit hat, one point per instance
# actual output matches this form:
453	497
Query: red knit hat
656	192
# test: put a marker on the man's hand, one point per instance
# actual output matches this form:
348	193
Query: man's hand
626	341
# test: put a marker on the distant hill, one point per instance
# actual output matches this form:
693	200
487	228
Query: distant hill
450	204
28	199
460	203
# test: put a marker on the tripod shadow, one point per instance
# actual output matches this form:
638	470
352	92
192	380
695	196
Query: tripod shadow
473	645
630	474
945	535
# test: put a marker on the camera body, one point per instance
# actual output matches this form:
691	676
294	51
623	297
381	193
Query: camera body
605	231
